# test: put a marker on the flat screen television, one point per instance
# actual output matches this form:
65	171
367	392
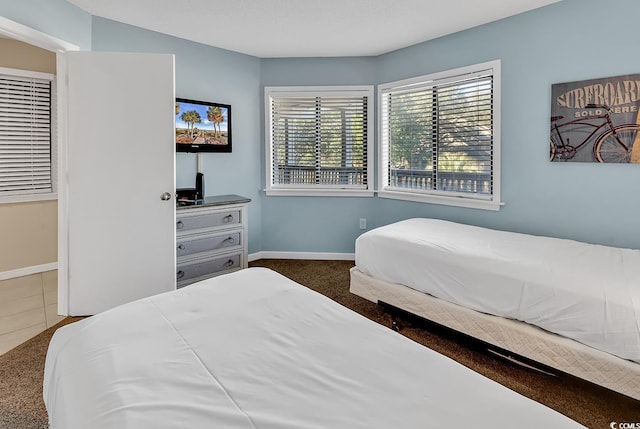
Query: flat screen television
202	126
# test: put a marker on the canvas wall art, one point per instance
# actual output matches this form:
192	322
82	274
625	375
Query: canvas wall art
596	120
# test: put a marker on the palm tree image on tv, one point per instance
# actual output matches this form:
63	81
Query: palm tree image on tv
214	114
201	123
191	118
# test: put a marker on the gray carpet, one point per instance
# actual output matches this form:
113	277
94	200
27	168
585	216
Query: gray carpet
21	369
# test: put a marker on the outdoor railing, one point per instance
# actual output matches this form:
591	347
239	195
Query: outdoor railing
293	175
446	181
400	178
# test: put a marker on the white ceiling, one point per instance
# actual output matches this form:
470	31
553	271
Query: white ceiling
308	28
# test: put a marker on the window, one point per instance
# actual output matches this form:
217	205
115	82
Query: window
25	135
439	138
318	140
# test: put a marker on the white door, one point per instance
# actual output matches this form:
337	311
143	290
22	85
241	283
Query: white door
120	167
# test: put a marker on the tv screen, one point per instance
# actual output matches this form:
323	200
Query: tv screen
202	126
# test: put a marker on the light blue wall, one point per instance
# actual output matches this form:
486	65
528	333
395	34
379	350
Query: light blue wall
209	74
314	224
57	18
567	41
564	42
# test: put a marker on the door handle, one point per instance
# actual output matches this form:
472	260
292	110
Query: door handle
165	196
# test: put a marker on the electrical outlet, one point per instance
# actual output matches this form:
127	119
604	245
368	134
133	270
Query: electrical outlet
363	223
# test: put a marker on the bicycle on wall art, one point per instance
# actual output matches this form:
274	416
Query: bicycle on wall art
596	120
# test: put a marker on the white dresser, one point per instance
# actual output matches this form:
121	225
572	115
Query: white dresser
211	237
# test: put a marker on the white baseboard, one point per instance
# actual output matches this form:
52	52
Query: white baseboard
35	269
27	271
302	255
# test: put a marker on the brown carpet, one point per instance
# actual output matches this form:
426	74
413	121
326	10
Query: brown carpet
21	372
21	369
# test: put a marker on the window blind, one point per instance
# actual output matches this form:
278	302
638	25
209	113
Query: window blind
319	141
25	135
438	135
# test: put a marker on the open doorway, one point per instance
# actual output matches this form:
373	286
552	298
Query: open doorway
29	263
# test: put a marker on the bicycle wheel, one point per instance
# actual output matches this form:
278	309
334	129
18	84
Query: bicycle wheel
552	150
615	145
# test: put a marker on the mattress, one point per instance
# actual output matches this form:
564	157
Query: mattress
517	337
585	292
253	349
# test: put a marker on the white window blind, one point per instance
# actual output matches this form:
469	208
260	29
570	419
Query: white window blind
25	133
319	139
439	136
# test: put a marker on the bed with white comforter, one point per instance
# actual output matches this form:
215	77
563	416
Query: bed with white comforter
253	349
587	293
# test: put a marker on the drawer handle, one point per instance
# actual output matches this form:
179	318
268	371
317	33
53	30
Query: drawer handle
179	274
229	263
179	224
230	240
227	219
181	246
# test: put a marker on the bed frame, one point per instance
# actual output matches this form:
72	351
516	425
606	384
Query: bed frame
526	340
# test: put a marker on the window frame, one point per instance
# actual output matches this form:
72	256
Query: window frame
451	198
367	190
53	164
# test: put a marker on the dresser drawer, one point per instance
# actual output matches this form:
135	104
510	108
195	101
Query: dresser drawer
190	270
211	238
208	220
188	245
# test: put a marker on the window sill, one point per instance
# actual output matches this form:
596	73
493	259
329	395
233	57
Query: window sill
29	198
443	200
318	193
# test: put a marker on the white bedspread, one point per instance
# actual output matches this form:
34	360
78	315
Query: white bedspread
586	292
253	349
